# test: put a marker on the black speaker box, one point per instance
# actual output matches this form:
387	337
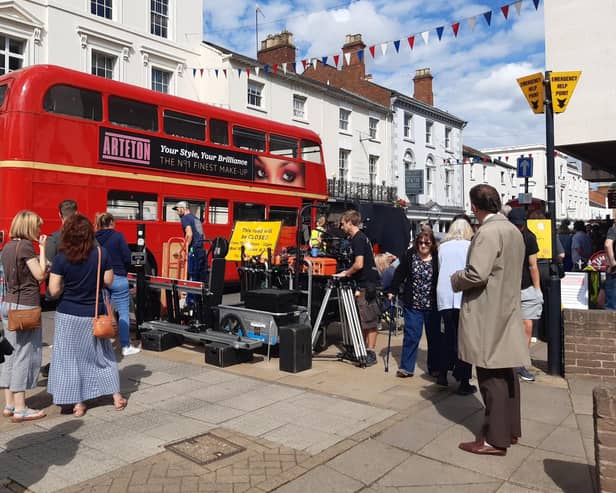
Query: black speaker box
271	300
295	348
222	355
158	340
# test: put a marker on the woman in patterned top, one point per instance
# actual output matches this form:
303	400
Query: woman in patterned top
418	273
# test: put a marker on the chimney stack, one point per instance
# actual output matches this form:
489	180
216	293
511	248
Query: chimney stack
277	49
352	44
423	86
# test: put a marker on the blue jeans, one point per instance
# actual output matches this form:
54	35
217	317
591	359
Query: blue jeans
121	299
414	321
610	292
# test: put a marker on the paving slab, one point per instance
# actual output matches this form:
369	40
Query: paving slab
324	480
565	441
412	434
368	461
550	471
445	448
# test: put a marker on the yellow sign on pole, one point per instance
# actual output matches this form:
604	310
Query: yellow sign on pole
543	231
532	87
563	84
255	236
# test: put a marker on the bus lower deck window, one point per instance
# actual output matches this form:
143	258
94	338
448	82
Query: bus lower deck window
218	212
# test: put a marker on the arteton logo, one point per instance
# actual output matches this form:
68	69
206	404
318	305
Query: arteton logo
126	148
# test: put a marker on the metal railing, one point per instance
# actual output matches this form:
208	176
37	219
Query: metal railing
352	190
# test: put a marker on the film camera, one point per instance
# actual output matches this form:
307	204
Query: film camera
338	247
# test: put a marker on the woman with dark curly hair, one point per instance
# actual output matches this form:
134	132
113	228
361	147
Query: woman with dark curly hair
418	273
84	367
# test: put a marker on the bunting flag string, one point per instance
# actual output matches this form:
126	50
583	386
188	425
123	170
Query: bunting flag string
312	63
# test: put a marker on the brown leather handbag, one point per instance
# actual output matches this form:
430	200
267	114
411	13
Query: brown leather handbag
26	318
103	326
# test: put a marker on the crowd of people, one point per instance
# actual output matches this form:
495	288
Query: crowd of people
72	262
477	293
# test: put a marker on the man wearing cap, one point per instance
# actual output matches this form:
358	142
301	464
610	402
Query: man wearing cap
193	244
530	294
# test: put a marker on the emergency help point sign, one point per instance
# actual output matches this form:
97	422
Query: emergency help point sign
563	84
532	87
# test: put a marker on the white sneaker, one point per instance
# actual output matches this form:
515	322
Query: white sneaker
130	350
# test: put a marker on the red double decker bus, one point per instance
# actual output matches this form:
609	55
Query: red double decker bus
135	153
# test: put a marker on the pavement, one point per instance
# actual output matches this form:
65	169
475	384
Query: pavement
192	427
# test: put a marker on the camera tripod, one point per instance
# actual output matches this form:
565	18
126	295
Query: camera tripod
352	337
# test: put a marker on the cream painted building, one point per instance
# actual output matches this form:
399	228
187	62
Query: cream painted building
579	35
149	44
571	189
355	131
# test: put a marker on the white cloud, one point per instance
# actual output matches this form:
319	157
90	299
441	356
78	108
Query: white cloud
474	74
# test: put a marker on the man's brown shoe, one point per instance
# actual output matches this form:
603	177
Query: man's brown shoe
482	448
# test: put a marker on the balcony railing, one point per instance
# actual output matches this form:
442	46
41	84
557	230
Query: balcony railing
352	190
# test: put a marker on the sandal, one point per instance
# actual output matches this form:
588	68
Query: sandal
79	410
120	404
8	411
27	415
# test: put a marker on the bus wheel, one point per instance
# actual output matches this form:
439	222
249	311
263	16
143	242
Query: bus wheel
232	324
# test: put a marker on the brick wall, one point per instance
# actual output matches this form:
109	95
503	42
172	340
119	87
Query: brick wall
590	343
604	418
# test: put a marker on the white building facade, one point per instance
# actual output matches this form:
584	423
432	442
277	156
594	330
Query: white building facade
571	189
148	44
499	174
427	158
355	132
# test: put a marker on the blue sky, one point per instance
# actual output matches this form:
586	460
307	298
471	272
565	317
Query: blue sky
474	73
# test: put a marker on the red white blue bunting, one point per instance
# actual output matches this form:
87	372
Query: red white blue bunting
441	31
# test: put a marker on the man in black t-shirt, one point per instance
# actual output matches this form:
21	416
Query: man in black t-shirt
610	275
364	273
531	295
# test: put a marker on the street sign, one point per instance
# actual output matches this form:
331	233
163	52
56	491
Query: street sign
525	198
563	84
414	181
532	87
525	167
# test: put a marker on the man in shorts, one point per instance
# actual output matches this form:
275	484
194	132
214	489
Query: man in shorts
531	295
363	271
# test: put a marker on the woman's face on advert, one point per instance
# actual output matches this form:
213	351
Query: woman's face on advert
279	172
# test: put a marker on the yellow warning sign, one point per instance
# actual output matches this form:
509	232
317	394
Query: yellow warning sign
563	84
532	87
543	231
255	236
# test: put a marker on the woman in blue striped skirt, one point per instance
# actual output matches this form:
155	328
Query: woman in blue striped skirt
84	367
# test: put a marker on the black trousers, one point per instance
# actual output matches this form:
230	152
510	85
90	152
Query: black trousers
449	354
500	390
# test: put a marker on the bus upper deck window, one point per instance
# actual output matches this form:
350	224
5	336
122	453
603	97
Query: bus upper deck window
133	114
311	151
283	146
3	89
247	138
74	101
219	132
183	125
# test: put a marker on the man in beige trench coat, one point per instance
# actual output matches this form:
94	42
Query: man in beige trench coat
490	319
